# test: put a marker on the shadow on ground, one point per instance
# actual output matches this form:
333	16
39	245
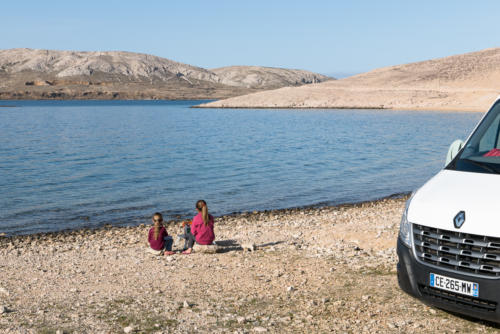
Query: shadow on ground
231	245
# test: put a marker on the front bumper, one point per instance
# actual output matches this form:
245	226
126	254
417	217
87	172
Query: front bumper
413	278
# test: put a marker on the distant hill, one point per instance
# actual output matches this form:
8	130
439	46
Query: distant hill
266	77
45	74
469	81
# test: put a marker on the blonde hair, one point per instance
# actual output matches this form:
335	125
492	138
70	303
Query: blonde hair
157	226
201	206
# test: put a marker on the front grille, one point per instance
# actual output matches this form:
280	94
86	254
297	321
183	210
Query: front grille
455	298
460	252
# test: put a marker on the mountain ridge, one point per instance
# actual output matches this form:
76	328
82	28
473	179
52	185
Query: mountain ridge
36	73
264	76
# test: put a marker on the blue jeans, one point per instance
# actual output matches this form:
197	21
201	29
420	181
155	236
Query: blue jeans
188	236
168	242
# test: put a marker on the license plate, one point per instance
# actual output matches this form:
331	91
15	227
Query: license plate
454	285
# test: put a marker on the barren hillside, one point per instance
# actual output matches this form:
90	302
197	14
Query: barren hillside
266	77
34	74
463	82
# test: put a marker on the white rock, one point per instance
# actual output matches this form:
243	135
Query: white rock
260	329
240	320
206	249
249	246
128	329
186	304
290	289
3	309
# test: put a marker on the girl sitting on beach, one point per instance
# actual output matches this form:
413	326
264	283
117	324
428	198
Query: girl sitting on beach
202	228
158	237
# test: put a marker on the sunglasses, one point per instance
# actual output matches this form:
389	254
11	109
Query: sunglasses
158	220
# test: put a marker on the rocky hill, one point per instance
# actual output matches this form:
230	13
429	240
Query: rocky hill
33	74
266	77
469	81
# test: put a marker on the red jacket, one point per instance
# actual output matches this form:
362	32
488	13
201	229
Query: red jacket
204	234
158	243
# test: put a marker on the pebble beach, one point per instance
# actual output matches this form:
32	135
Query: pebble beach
312	270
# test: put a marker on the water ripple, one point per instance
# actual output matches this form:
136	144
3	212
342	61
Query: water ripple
86	163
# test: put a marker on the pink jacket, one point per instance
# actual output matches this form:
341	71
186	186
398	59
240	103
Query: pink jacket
157	244
204	234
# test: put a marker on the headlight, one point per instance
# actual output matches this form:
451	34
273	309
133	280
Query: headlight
405	226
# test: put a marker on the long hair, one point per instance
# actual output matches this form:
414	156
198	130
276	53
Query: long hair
201	205
158	225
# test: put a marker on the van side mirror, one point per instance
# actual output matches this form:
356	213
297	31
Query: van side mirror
455	147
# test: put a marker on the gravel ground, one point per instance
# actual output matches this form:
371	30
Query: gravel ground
316	270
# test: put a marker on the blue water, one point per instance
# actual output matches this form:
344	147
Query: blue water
74	164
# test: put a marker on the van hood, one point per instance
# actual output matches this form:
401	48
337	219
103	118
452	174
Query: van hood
438	202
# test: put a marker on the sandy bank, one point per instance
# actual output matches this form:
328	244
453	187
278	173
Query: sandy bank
377	98
315	270
467	82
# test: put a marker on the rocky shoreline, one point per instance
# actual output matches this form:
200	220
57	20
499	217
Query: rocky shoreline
313	270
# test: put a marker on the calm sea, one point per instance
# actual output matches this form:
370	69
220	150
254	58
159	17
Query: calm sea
74	164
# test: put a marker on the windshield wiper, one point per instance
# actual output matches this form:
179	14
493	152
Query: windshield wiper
482	165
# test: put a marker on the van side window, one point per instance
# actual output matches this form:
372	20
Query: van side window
481	153
491	138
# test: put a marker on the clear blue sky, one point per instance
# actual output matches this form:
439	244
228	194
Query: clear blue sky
321	36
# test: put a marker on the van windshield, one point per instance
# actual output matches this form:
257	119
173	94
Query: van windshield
481	153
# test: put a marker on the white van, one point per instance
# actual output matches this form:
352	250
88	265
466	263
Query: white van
449	238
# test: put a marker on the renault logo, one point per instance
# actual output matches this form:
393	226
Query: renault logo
459	219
